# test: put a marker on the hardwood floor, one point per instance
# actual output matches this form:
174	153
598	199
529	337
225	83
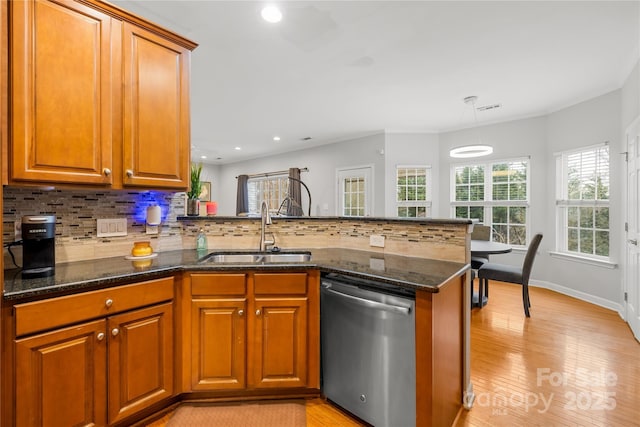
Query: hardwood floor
570	364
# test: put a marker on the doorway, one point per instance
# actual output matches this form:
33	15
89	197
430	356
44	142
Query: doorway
355	191
631	250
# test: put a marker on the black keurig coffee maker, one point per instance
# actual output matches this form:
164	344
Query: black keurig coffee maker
38	243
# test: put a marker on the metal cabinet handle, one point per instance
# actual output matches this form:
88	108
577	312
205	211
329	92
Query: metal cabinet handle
371	304
240	312
108	303
633	241
100	336
129	173
106	171
115	331
258	312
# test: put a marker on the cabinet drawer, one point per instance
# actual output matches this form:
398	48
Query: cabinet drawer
54	312
218	284
285	283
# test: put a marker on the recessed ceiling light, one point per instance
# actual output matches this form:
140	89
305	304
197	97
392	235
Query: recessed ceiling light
203	157
276	138
271	14
238	148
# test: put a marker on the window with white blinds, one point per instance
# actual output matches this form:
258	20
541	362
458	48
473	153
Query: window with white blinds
497	195
273	189
582	202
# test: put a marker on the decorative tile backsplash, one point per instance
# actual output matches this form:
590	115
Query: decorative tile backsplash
76	213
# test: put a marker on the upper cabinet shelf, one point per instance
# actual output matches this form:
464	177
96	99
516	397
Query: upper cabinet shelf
99	97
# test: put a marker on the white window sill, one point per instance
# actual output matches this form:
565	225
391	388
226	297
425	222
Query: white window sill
584	260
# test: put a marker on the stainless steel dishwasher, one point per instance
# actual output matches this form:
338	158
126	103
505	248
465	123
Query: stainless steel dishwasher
368	349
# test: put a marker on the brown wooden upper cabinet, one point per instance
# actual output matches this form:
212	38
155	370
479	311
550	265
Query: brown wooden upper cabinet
98	97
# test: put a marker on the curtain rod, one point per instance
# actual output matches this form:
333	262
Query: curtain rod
268	174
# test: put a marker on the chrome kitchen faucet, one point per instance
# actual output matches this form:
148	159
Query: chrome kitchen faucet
265	219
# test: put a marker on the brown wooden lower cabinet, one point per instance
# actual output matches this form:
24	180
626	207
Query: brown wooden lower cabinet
98	372
140	360
255	331
61	377
219	346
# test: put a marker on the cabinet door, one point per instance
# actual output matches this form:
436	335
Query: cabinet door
218	344
156	110
279	355
61	377
140	359
61	103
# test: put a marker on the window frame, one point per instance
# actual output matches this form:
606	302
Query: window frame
283	190
487	204
427	203
563	203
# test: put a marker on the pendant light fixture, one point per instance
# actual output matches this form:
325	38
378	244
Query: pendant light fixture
475	150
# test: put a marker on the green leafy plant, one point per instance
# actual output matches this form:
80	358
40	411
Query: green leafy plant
196	185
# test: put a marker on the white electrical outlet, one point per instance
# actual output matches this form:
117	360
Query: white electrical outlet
376	240
112	227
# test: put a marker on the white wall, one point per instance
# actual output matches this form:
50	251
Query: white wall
322	162
630	97
410	149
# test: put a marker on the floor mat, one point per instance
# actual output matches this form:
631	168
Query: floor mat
254	414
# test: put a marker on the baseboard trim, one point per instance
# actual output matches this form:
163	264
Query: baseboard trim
583	296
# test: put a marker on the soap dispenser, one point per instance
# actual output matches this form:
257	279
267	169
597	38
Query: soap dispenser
201	241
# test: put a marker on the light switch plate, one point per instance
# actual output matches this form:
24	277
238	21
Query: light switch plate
376	240
112	227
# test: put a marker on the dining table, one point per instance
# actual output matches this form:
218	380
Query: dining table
484	248
487	247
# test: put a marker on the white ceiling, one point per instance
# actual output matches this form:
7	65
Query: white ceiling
332	70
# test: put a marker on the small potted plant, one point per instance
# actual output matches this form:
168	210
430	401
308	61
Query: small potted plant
193	201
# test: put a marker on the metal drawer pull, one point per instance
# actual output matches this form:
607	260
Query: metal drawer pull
129	173
633	241
258	312
115	331
100	336
108	303
106	171
240	312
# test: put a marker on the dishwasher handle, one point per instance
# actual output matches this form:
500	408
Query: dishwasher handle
367	302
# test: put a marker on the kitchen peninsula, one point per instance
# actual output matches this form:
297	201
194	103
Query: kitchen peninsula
176	295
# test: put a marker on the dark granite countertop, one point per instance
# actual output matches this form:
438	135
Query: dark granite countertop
453	221
403	271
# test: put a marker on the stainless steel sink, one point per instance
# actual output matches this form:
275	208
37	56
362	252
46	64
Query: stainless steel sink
303	257
256	258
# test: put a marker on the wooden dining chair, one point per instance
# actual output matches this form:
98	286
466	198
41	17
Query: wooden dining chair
512	274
